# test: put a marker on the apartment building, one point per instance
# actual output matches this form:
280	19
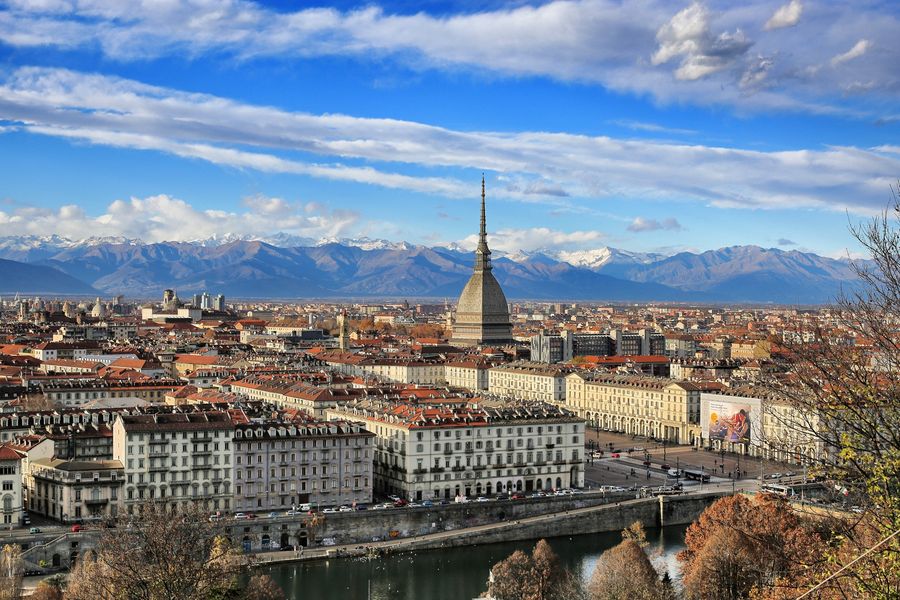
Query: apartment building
11	497
176	458
445	450
74	490
528	381
637	405
287	462
404	370
80	392
751	421
469	374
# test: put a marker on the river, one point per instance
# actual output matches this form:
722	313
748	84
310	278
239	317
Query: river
452	573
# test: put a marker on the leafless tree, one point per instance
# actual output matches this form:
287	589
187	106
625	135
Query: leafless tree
160	555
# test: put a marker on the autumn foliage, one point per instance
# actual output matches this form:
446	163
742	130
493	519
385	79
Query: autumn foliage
741	547
535	576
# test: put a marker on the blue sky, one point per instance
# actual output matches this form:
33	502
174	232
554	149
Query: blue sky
645	125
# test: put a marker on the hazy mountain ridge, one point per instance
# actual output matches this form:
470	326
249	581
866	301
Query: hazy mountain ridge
332	268
18	277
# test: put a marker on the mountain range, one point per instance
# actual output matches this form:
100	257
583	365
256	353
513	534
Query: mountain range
286	266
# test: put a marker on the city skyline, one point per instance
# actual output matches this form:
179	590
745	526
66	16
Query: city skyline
651	127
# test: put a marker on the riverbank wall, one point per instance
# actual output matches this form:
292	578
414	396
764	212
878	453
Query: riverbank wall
599	518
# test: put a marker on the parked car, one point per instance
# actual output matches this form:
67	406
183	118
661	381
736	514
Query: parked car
77	528
503	497
292	513
345	508
517	496
616	455
330	510
34	530
240	516
305	507
427	503
400	502
272	515
481	499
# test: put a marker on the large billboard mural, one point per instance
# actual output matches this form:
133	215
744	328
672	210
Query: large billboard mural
729	422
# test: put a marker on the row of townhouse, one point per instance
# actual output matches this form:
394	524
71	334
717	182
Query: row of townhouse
445	450
223	460
638	405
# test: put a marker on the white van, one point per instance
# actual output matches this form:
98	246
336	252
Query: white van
674	473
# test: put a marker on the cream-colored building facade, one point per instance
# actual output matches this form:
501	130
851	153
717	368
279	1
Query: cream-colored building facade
528	381
637	405
443	451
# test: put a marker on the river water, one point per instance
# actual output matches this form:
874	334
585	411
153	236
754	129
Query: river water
451	573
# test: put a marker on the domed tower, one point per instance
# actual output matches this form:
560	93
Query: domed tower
482	314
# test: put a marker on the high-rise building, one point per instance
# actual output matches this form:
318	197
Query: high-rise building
482	314
205	301
219	303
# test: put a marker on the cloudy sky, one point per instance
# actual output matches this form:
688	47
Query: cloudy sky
649	125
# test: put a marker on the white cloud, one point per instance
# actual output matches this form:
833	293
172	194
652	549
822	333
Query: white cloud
651	127
624	46
164	218
641	225
535	238
786	16
687	35
558	168
858	49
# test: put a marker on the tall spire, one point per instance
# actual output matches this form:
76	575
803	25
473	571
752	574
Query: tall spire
482	253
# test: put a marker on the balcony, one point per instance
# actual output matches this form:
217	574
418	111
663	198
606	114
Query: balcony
448	451
560	462
480	467
550	446
419	471
437	469
98	502
458	468
470	451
